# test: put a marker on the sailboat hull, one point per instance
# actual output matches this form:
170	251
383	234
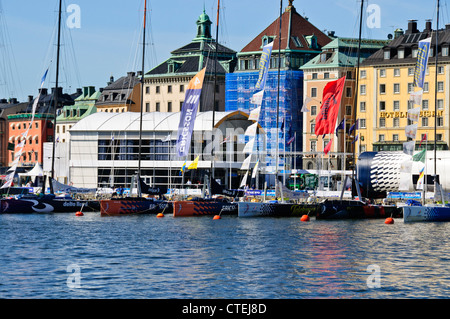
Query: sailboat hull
260	209
355	209
132	206
46	205
188	208
426	213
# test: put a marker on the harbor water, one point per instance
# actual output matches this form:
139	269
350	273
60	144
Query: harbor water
63	256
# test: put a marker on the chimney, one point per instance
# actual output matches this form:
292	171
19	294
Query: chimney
91	90
111	80
13	100
30	98
398	33
79	91
43	91
85	91
130	74
3	101
447	27
427	25
412	27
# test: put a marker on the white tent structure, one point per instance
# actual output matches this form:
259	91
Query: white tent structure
36	171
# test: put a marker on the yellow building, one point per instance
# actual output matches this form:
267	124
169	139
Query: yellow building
385	86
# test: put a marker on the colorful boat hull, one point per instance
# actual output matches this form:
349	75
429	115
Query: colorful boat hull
264	209
187	208
46	205
132	206
426	213
354	209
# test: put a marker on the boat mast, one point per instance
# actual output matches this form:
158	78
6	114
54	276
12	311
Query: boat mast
55	97
435	96
142	102
215	61
355	106
278	95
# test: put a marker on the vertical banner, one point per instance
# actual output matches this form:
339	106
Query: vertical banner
264	63
188	113
422	61
331	100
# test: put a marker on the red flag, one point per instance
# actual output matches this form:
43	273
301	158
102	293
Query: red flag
328	147
326	119
424	137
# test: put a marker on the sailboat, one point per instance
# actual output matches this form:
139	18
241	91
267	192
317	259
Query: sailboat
433	212
44	203
137	205
208	205
273	208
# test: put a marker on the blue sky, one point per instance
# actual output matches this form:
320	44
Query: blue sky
107	42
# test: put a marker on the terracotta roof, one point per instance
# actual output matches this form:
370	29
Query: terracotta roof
292	24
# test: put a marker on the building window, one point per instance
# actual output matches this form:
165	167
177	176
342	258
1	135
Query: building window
424	104
445	51
425	87
313	146
424	121
157	108
314	76
313	92
382	73
348	92
313	127
147	90
396	88
181	88
348	110
382	88
169	106
326	75
396	72
387	55
382	122
440	70
401	53
382	106
362	123
440	121
410	71
381	137
147	107
363	74
440	86
362	106
169	89
395	137
414	52
396	122
396	105
157	89
313	110
438	137
410	87
440	104
362	89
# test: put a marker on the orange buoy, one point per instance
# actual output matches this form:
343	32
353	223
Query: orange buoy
389	220
216	217
160	215
79	214
305	218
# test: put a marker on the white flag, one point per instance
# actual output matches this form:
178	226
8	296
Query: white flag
244	180
251	130
257	98
405	181
406	166
255	169
246	163
411	131
249	146
416	97
254	114
408	147
413	114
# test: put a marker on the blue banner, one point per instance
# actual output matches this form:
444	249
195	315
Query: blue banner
422	61
264	63
188	113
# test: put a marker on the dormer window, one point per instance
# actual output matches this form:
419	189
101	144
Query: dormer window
414	52
387	54
445	50
266	40
312	41
297	42
401	53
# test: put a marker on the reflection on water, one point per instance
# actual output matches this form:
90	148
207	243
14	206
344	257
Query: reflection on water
147	257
